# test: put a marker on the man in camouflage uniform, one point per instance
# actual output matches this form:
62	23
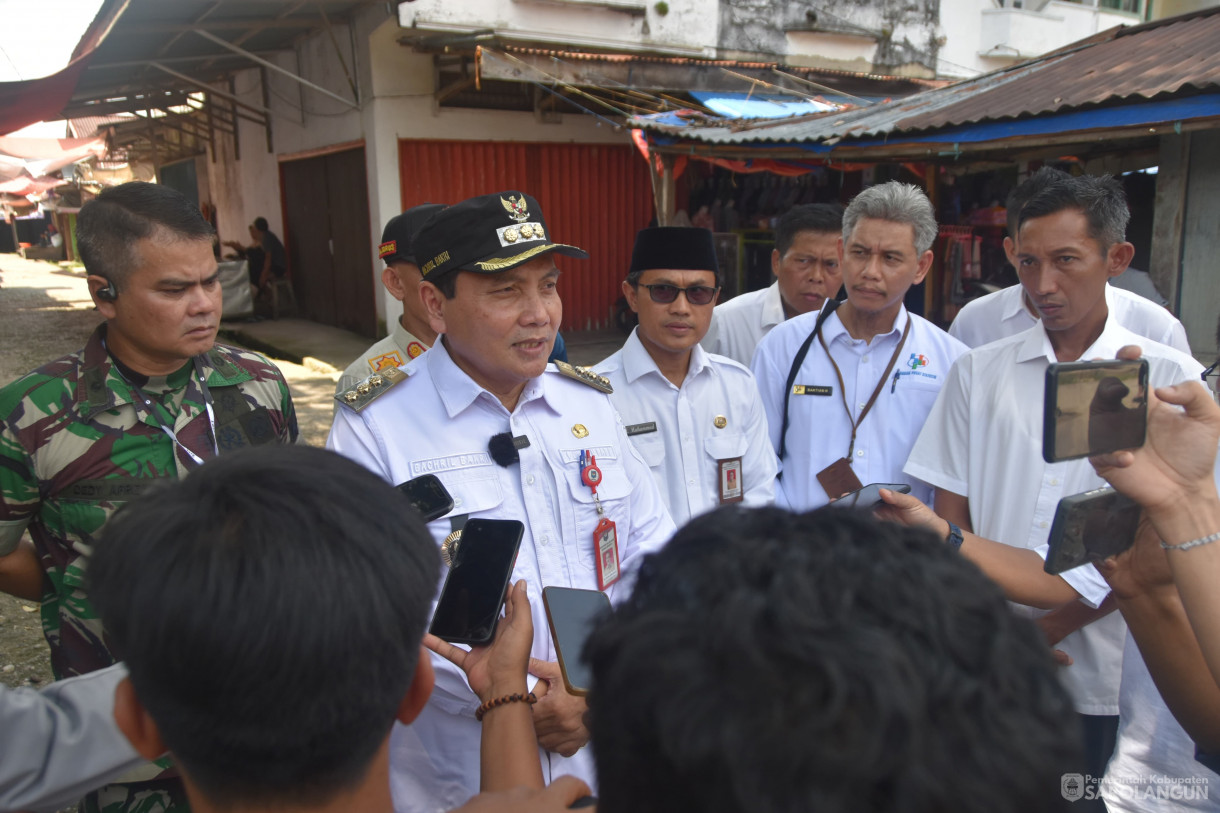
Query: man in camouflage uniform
150	396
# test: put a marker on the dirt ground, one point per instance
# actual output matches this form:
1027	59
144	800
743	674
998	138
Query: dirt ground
45	312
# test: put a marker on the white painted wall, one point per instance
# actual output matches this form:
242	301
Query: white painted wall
821	49
980	36
396	102
691	27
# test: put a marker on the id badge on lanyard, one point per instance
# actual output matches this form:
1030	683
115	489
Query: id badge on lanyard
605	535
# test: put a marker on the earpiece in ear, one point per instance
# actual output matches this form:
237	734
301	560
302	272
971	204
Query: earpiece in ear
109	293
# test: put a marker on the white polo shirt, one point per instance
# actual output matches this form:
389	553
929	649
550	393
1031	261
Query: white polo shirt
983	440
739	324
682	432
819	430
1003	314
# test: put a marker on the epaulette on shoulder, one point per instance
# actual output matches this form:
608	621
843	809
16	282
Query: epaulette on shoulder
585	376
363	392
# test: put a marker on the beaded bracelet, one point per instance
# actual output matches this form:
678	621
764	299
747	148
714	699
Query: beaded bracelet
1194	543
496	702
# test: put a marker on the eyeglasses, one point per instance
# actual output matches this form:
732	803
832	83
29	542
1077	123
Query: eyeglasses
663	294
1211	372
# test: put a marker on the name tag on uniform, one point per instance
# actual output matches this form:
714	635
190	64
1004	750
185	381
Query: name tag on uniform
641	428
811	389
732	487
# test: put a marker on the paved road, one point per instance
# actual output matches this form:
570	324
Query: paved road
45	312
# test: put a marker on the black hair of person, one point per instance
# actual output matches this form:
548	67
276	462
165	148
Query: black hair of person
109	226
260	223
270	609
769	662
1026	190
1100	198
823	218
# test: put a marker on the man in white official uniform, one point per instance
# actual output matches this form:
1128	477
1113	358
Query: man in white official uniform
982	445
805	262
856	401
695	417
505	433
1010	311
411	334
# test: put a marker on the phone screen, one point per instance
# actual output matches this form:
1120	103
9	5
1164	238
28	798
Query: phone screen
571	613
470	602
1094	407
429	496
1095	524
869	496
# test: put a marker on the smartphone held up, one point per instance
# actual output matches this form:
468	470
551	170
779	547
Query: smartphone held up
1094	407
478	580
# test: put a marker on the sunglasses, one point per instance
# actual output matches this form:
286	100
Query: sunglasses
663	294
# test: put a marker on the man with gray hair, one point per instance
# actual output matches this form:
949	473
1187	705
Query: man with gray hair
846	389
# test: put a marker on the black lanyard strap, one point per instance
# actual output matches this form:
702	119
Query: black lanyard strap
827	309
855	422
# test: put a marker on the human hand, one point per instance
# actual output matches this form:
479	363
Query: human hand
910	511
1174	467
559	717
556	797
500	667
1141	570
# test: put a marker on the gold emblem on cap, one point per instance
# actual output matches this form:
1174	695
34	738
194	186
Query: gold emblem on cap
720	422
527	231
449	548
511	235
579	431
516	208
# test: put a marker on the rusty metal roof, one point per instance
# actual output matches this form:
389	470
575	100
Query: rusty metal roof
1169	58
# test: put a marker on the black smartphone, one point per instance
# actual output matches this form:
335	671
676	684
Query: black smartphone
869	496
474	590
1088	526
570	614
429	496
1094	407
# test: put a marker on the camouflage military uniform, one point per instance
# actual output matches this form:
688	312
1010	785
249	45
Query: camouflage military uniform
74	447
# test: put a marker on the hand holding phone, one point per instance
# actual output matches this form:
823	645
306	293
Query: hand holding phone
1094	407
1088	526
869	496
477	583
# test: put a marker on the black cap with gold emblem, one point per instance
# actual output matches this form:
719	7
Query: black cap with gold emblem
487	235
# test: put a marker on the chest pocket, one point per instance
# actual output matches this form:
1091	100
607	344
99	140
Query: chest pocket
614	491
725	445
651	447
473	491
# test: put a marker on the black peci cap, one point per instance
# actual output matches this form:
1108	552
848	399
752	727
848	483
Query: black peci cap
674	247
398	236
487	235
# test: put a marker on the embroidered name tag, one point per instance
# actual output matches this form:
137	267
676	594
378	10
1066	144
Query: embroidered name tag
641	428
114	490
450	463
810	389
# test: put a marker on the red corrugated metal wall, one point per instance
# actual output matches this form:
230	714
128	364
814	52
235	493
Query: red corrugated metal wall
592	195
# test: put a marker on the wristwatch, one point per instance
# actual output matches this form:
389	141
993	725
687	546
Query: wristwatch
955	536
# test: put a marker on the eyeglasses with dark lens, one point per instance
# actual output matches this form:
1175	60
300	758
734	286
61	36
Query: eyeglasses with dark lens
664	293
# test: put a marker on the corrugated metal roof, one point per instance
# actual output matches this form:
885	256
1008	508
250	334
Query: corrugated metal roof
1173	57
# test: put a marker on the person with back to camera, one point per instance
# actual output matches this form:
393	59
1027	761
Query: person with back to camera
769	662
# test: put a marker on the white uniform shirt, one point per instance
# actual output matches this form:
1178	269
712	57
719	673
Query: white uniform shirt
819	431
395	350
1004	314
1153	753
739	324
439	421
983	440
684	444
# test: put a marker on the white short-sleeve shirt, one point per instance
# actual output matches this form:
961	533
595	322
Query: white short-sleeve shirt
739	324
819	430
682	432
1003	313
439	421
983	440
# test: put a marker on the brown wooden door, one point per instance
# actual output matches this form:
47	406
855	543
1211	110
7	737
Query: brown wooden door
326	227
